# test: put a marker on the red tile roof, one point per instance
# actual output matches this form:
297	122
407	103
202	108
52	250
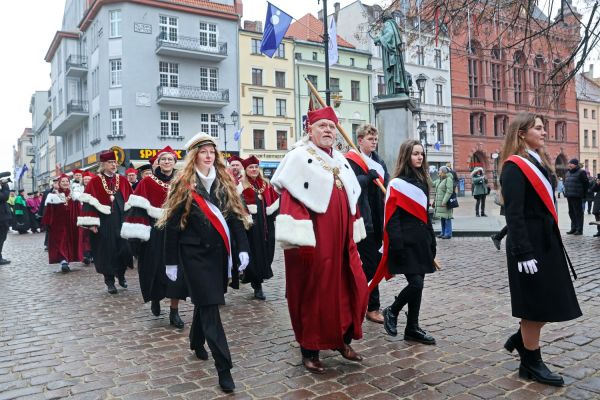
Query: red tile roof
58	36
204	4
309	28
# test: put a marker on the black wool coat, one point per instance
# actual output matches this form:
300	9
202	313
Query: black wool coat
412	245
548	295
201	252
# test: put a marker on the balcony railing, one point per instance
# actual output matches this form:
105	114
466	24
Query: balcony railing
500	104
192	93
74	61
477	101
77	106
190	44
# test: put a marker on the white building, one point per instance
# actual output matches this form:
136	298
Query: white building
44	145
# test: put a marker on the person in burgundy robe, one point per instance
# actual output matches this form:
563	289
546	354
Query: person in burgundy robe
85	233
60	220
103	213
318	227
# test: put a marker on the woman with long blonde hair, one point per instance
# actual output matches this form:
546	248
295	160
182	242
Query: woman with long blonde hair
541	289
204	217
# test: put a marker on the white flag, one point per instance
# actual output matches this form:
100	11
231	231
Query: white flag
333	48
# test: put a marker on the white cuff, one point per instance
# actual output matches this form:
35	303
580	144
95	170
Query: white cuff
252	208
273	207
359	232
290	232
135	231
88	221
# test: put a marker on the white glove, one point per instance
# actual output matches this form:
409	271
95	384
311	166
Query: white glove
529	266
171	271
244	260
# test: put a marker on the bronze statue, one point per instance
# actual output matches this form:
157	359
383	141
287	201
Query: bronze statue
393	63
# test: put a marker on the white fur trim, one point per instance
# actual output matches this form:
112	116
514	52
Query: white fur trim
249	219
359	231
88	221
54	198
92	201
239	188
135	231
290	232
273	207
144	203
252	208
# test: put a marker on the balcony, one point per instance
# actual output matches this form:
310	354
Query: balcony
76	66
190	47
191	95
500	104
76	113
477	101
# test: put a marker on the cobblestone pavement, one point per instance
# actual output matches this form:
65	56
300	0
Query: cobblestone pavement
63	335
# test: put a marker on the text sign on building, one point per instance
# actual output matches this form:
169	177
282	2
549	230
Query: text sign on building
142	28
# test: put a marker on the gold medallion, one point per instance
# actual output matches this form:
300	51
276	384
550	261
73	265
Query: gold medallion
338	183
260	196
112	198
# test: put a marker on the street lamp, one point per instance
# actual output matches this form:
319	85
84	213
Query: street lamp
421	79
221	121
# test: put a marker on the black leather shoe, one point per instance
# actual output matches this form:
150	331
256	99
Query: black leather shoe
496	241
64	267
226	381
4	261
155	307
595	235
123	282
258	294
201	353
533	367
390	322
578	233
416	334
515	342
175	319
483	214
86	261
111	288
572	231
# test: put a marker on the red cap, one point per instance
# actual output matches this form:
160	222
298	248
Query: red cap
167	149
131	171
322	113
250	161
108	155
235	158
87	173
64	176
78	171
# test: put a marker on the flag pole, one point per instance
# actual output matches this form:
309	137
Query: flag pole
326	44
340	128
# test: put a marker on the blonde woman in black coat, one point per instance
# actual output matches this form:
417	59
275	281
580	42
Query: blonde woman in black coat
203	217
541	289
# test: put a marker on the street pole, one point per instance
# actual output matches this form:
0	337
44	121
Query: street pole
326	43
225	132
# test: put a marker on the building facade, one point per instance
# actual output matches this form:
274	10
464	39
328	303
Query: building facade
267	102
138	75
44	144
492	83
24	169
588	101
423	59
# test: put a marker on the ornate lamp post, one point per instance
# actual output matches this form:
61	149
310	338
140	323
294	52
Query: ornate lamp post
221	121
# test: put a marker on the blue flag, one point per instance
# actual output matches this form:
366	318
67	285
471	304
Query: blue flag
276	25
237	134
24	169
437	146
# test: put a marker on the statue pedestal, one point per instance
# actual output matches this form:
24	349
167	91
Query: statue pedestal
394	116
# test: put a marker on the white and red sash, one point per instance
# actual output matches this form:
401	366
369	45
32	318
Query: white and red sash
540	183
214	216
366	163
411	199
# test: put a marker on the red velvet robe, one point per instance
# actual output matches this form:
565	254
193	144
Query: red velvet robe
64	237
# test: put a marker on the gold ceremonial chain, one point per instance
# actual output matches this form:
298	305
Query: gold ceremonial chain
65	199
160	183
105	186
334	170
259	191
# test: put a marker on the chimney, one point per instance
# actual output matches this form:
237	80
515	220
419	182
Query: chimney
254	26
320	15
336	10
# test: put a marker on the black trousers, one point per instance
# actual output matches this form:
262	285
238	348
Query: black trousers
307	353
111	278
500	235
207	327
480	201
576	213
410	295
3	232
368	249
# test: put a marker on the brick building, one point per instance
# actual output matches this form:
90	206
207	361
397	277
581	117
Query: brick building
492	82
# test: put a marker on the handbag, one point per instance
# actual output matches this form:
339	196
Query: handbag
452	201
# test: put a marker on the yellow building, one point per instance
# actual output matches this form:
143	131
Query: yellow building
588	102
266	99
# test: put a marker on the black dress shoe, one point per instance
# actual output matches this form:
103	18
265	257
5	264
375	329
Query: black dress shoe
496	241
572	231
416	334
483	214
86	261
578	233
123	282
595	235
175	319
64	267
201	353
4	261
226	381
111	288
390	322
533	367
155	307
258	294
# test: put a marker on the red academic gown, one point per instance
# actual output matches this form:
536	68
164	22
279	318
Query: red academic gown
60	216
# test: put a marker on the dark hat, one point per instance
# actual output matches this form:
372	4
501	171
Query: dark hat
21	191
12	190
252	160
574	161
108	155
322	113
144	168
29	193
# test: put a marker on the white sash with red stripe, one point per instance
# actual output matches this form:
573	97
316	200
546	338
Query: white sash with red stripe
540	183
366	163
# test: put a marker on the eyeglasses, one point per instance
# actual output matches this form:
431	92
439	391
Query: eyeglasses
165	159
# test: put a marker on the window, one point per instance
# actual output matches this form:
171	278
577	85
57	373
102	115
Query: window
116	122
440	132
313	80
381	86
355	90
518	82
209	79
255	46
115	23
279	79
115	73
500	123
420	55
334	85
280	107
209	124
594	143
259	138
354	129
438	58
586	164
538	81
496	71
561	131
257	76
168	28
169	74
352	62
422	94
585	113
95	82
258	106
60	101
594	167
477	124
439	94
280	51
208	35
169	123
473	78
281	140
586	138
593	114
95	129
314	56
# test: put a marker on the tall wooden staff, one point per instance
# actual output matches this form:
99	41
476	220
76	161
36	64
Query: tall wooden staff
341	129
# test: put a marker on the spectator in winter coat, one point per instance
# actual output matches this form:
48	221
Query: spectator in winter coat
444	186
480	190
576	185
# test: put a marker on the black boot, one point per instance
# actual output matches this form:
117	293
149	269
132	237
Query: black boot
515	342
533	367
175	319
201	353
110	287
226	381
390	322
415	334
496	241
258	292
64	267
155	307
123	282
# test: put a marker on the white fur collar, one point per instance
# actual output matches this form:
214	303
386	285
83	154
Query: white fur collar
207	180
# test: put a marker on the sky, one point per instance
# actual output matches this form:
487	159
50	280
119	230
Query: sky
29	31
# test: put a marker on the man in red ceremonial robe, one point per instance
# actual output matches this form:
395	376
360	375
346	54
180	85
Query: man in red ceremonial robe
235	168
60	220
318	227
103	213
